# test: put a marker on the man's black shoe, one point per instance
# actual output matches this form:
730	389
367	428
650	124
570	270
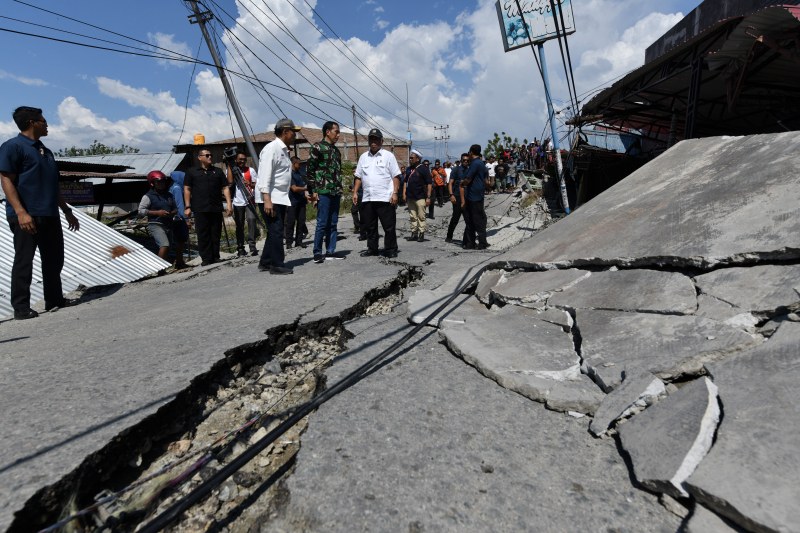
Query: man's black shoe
412	237
469	246
390	254
449	239
25	315
66	302
369	253
241	253
319	258
263	268
421	237
281	270
362	237
253	252
288	245
482	246
206	263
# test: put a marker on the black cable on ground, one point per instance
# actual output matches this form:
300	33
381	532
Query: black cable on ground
176	509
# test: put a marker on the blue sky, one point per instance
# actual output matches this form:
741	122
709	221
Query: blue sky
449	53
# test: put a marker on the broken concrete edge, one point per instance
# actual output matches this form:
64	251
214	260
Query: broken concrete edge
652	392
704	440
173	417
703	264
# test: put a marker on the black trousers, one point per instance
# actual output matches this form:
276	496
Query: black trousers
440	191
242	214
293	225
454	219
358	218
273	253
49	239
209	232
387	214
475	219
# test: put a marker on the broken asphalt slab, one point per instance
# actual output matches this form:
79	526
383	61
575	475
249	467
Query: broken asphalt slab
750	476
668	440
670	346
636	392
756	289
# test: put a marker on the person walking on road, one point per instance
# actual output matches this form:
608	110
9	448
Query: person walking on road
275	178
324	177
417	195
29	177
204	187
378	174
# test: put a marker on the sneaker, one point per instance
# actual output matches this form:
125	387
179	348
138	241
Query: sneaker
281	270
25	315
333	256
319	258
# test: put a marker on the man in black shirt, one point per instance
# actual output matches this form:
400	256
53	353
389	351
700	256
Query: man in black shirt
203	190
417	195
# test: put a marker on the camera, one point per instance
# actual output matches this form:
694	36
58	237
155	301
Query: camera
230	153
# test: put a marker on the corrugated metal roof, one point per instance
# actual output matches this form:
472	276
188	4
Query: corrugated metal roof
88	260
166	162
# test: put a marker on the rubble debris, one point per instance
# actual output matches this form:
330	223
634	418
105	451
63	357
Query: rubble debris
668	440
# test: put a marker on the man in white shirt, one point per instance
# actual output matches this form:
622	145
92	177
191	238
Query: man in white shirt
275	178
378	175
241	212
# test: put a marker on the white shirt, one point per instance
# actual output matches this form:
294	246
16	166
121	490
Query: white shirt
377	172
447	171
275	166
491	167
239	199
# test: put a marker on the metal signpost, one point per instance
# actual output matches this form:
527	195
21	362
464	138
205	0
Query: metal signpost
532	22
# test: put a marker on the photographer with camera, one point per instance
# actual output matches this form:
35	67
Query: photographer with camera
243	185
205	187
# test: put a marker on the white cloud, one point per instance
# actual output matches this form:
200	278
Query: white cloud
170	47
381	24
34	82
379	9
456	70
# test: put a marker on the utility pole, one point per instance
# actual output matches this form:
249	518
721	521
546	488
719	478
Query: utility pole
355	131
201	18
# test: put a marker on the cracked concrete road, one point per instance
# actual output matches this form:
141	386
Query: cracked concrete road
76	379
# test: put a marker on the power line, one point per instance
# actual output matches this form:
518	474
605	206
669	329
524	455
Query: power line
188	92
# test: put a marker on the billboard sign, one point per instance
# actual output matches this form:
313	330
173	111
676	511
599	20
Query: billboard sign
77	192
538	16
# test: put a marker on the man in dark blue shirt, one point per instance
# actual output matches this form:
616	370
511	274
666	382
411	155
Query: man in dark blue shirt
296	214
454	188
29	177
473	188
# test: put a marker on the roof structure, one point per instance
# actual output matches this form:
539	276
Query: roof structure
740	76
94	255
137	164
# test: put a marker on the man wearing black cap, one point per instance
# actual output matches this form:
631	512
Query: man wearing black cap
274	180
378	175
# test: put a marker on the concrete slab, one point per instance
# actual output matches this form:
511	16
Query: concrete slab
524	354
668	440
635	394
714	308
696	204
488	281
669	346
751	474
532	289
638	290
705	521
761	288
423	302
448	450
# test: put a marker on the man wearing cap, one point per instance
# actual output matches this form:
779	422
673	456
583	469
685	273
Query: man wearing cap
455	191
205	186
474	189
274	180
378	175
417	194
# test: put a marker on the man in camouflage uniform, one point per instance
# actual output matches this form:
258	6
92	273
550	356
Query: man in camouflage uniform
324	180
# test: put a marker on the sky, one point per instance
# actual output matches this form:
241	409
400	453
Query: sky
446	56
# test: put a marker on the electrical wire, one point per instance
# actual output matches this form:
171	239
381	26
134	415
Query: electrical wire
188	92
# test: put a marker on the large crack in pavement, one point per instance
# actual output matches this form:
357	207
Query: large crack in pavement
239	399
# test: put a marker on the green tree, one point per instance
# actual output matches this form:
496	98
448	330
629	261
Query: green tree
96	148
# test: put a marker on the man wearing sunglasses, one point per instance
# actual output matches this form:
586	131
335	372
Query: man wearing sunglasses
204	187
